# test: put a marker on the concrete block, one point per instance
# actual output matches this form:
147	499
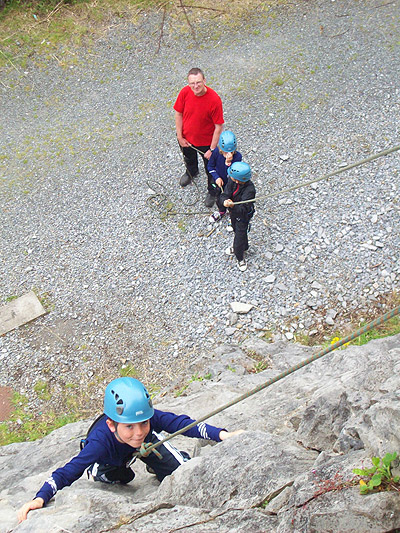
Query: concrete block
20	311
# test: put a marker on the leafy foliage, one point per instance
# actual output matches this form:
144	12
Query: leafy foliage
379	475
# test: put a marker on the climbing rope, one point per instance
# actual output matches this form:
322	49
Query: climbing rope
171	212
325	176
160	201
378	321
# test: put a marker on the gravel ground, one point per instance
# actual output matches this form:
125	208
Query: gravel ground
306	87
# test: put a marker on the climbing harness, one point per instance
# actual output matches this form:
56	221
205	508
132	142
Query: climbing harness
382	319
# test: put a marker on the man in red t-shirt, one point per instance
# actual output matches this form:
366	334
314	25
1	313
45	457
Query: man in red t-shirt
199	120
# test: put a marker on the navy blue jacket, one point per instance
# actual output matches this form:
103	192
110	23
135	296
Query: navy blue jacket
216	165
103	447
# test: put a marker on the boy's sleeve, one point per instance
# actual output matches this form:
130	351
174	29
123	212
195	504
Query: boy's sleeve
228	190
170	422
66	475
212	165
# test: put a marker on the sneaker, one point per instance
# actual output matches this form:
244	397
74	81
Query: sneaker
229	228
210	199
242	265
216	216
185	180
229	251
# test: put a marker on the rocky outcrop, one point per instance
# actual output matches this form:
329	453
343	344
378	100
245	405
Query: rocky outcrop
290	471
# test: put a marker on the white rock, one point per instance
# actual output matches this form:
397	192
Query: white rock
332	313
241	308
368	246
316	285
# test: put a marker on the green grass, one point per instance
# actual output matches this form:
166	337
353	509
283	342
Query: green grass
42	390
40	26
24	426
387	329
128	371
34	29
391	327
195	377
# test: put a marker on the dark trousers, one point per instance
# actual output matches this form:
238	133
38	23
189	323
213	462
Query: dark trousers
220	205
192	165
171	459
240	242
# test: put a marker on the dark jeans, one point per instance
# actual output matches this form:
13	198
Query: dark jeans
240	241
192	165
171	459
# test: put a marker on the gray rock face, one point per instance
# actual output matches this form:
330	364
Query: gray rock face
291	470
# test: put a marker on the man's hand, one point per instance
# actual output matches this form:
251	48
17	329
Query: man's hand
207	154
183	142
219	182
37	503
227	434
228	203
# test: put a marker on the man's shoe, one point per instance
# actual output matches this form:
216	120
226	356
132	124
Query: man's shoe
185	180
242	265
210	199
229	250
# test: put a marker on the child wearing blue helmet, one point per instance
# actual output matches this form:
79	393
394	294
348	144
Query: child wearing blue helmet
222	157
128	422
239	188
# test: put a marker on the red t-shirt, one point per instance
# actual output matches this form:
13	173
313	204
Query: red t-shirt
200	114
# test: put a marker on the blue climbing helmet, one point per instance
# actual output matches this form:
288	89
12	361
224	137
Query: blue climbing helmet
240	171
126	400
227	141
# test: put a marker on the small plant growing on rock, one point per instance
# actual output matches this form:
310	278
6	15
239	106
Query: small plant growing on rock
379	475
259	367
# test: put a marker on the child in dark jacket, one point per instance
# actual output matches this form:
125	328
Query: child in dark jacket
128	424
238	189
221	159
